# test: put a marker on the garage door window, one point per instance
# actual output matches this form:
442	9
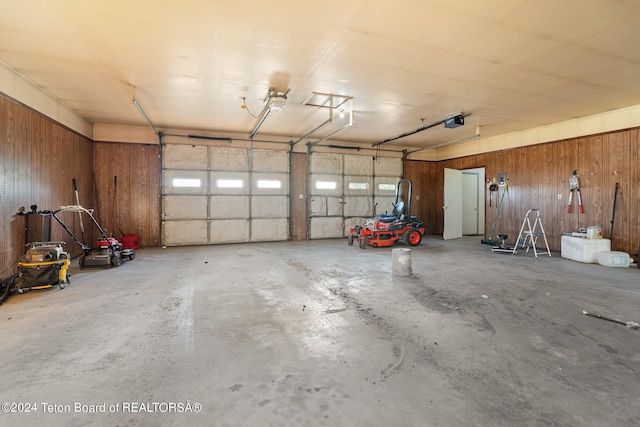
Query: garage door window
358	186
386	187
186	182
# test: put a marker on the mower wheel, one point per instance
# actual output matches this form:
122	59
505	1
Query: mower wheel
5	288
361	242
116	260
412	237
8	287
132	256
350	239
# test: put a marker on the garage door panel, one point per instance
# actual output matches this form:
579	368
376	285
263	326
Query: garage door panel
358	165
326	228
229	231
176	156
334	206
270	161
229	207
358	206
269	230
269	207
229	159
388	166
318	206
325	163
181	233
185	207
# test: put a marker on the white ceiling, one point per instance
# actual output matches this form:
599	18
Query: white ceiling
507	64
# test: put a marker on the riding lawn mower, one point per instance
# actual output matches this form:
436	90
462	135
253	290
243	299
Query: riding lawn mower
387	229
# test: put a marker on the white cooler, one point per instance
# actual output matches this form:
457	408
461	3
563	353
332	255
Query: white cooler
583	250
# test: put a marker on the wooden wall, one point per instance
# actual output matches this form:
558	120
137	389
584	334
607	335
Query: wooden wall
39	160
537	174
132	205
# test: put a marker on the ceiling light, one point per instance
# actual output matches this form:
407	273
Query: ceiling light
276	103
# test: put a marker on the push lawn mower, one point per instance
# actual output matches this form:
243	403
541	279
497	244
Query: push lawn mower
109	252
43	266
387	229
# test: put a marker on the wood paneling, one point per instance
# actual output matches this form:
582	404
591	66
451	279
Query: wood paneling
127	182
538	174
39	160
427	187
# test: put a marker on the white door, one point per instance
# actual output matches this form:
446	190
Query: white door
452	204
470	203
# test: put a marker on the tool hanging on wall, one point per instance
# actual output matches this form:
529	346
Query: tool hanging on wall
492	188
495	220
613	214
574	185
75	190
113	204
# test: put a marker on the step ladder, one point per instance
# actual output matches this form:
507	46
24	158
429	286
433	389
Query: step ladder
529	233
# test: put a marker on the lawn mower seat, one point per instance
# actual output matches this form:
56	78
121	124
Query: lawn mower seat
398	208
387	218
397	213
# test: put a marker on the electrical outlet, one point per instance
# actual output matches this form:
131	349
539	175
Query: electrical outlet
559	196
502	179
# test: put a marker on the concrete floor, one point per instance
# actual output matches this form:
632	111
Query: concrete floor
322	334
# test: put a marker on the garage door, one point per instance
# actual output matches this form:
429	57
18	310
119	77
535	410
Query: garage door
217	195
347	189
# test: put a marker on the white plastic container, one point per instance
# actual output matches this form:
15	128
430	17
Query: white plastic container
614	259
583	250
594	232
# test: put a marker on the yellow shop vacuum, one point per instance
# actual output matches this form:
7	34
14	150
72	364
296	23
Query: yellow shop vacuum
43	265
